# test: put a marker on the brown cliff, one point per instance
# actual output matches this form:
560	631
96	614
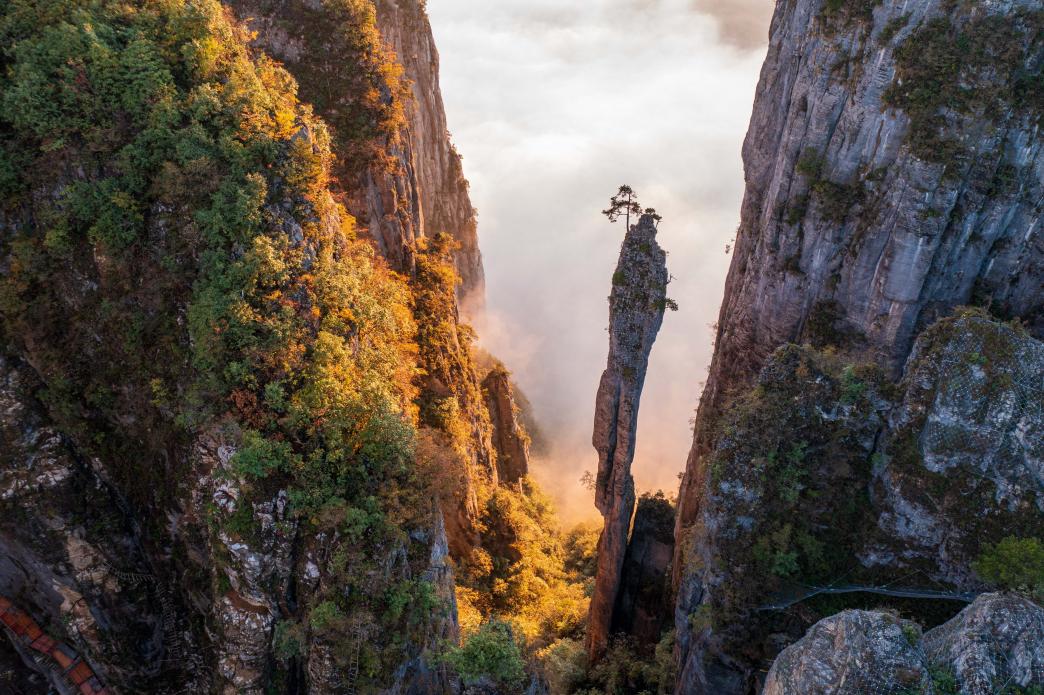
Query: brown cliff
399	172
438	179
509	436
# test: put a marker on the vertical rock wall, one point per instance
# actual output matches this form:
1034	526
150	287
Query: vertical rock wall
509	437
877	200
437	181
636	307
893	171
642	607
399	172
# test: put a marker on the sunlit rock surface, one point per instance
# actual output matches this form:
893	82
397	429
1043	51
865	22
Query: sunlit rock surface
408	184
509	436
636	307
439	188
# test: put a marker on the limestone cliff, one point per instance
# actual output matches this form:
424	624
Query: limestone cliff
893	171
636	306
438	182
399	171
827	476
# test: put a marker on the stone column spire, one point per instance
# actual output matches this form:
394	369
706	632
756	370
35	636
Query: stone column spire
636	306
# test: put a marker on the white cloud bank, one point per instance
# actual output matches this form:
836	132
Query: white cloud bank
553	107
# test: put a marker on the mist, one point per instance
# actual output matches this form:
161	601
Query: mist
553	108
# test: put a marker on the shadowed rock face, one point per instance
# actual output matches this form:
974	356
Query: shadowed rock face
852	653
893	171
826	470
64	541
963	456
869	214
636	308
643	607
999	639
509	437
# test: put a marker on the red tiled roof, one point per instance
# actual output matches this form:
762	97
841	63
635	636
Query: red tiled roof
64	655
80	673
17	621
33	631
74	668
43	644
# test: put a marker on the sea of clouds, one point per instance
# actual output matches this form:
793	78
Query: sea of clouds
553	105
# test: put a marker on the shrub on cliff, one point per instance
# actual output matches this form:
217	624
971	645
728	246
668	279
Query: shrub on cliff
520	572
1014	563
176	265
491	653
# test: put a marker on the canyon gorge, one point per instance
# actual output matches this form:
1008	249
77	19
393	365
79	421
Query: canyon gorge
253	443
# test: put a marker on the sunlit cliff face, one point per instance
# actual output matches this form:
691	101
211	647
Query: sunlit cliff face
553	107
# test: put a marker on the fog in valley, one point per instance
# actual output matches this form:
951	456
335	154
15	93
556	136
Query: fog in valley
553	108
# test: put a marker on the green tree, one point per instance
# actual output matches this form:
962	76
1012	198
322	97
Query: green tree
1014	563
624	203
493	652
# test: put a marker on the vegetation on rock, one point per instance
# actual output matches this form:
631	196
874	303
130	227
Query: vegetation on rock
989	66
1014	563
172	195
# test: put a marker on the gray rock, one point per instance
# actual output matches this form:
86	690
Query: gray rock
923	236
854	237
852	653
642	606
636	308
963	456
993	644
997	641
